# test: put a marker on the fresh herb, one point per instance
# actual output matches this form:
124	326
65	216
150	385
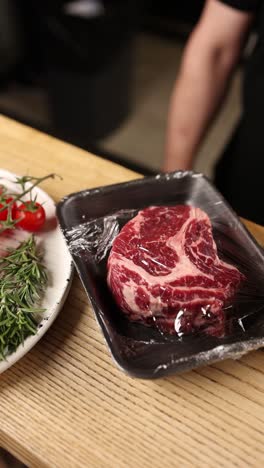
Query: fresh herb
22	280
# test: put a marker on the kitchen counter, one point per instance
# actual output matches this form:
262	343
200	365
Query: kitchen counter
67	404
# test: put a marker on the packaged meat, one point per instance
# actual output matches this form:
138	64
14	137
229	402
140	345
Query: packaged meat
164	270
210	270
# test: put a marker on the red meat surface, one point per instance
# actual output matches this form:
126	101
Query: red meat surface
164	269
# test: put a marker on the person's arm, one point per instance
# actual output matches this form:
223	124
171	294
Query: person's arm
208	61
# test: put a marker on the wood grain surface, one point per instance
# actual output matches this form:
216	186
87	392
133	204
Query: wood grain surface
66	404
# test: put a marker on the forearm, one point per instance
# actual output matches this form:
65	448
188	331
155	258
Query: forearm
209	59
198	92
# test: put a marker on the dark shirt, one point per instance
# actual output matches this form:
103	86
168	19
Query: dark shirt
255	64
243	5
240	172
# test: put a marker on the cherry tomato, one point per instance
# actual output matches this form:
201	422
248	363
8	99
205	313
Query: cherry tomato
4	213
31	216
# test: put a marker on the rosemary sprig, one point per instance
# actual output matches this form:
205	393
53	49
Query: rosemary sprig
22	281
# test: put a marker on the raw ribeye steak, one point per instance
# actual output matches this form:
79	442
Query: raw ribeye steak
163	269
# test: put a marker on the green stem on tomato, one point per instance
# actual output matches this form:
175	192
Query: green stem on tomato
38	181
10	223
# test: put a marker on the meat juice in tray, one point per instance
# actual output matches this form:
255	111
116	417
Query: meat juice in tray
185	278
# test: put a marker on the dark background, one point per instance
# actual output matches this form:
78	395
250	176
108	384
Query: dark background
85	65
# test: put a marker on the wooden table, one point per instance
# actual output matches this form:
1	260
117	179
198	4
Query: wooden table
65	404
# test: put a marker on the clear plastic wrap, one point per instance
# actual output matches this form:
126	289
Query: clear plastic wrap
140	340
95	238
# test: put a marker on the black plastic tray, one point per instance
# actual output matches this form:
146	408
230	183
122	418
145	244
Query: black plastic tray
139	350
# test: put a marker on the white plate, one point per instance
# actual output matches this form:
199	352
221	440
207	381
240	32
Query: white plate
56	259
